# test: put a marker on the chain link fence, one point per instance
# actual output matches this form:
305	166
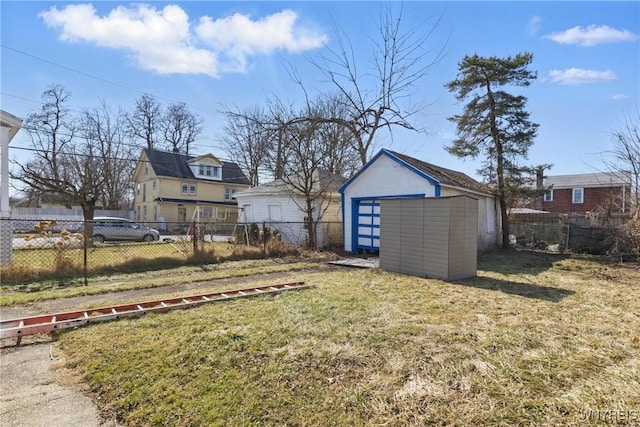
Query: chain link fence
36	249
562	236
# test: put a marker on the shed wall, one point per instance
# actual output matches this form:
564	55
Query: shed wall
433	237
383	178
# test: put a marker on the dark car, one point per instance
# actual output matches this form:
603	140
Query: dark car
115	229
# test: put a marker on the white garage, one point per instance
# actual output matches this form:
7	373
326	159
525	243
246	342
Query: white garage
392	175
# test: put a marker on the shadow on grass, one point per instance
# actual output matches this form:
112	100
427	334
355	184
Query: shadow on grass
514	261
527	290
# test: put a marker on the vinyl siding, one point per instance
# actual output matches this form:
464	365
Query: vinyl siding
291	217
385	178
433	237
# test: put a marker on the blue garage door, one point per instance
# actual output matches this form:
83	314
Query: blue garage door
368	224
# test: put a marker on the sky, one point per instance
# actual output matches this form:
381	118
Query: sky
215	55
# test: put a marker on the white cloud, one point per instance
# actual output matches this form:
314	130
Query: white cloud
592	35
238	36
577	76
619	96
162	40
533	26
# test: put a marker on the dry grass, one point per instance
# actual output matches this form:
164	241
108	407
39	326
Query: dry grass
533	340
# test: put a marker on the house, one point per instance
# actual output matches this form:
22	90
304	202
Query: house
9	127
282	208
392	175
589	192
172	189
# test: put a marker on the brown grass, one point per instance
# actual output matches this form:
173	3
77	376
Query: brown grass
534	340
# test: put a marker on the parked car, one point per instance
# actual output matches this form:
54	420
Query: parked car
114	229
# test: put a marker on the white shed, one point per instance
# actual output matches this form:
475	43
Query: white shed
391	175
280	206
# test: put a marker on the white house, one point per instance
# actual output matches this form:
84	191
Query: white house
9	126
392	175
281	207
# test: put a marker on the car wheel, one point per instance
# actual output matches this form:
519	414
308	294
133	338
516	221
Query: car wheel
98	238
147	238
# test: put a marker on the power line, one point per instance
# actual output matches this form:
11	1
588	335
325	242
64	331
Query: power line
91	76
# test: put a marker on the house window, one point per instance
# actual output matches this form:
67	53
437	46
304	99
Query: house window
216	171
548	196
144	213
144	192
153	184
146	169
228	193
138	213
188	189
221	213
201	170
206	212
209	170
578	195
155	213
275	213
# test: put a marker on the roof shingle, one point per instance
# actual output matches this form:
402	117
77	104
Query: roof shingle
174	165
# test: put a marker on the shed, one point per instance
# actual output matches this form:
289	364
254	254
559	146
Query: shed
391	175
433	237
279	205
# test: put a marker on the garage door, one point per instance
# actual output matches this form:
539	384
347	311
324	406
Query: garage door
368	225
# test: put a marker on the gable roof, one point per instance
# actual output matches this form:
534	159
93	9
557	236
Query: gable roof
591	180
327	181
435	174
175	165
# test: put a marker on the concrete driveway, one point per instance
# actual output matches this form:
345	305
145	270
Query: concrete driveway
30	396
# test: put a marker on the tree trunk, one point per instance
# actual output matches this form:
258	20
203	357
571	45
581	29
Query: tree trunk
88	209
311	226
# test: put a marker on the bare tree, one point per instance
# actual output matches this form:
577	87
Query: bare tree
342	159
145	121
624	162
64	165
378	96
302	172
625	156
106	131
180	128
246	141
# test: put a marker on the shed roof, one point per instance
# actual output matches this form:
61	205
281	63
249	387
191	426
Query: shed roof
326	181
175	165
439	175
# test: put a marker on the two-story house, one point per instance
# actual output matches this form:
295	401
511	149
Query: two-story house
172	189
590	192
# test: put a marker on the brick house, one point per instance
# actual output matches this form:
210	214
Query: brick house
590	192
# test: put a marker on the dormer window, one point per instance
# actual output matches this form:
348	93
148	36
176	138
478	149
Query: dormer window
207	168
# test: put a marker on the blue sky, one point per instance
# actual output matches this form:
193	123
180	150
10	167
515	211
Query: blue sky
211	54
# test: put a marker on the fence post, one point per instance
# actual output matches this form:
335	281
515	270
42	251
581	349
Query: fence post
264	239
85	269
194	238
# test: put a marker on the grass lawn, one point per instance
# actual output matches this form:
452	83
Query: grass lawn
535	339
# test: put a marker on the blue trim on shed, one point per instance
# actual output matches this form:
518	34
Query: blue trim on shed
383	151
355	215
